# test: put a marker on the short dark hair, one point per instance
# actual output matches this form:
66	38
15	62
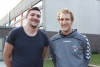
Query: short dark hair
34	8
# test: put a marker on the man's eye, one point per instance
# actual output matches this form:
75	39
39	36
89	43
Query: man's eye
32	14
38	16
61	19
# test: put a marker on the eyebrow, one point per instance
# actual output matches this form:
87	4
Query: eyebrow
35	14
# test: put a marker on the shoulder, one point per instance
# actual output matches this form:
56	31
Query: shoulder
43	33
81	37
16	29
55	37
44	36
84	38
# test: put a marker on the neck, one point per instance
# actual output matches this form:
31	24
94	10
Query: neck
67	32
30	30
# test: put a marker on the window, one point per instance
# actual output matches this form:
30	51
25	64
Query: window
24	21
38	4
1	47
18	24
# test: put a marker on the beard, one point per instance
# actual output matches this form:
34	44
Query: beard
33	26
67	30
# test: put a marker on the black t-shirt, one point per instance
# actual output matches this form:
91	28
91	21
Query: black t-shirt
27	49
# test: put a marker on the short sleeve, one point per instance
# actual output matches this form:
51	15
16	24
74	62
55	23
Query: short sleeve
46	41
11	37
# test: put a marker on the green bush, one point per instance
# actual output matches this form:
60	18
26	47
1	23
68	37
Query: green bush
96	52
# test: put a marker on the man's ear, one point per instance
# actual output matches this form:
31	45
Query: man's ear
72	21
26	16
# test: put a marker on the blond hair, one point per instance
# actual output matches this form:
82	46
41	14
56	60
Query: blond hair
65	11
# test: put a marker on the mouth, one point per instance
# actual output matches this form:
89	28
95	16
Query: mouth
34	20
64	25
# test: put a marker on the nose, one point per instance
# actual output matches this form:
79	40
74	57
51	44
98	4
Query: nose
64	22
35	17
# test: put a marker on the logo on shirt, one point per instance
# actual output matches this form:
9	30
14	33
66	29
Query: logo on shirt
75	48
67	41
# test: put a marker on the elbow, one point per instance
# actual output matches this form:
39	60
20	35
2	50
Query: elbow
5	57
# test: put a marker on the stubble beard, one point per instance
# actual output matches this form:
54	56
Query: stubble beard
33	26
68	30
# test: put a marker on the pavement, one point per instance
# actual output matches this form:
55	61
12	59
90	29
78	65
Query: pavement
90	65
2	64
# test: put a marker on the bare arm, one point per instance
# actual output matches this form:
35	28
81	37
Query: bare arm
44	52
8	49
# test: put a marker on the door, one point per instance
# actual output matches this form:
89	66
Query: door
1	47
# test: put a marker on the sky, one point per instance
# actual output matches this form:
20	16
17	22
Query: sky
6	6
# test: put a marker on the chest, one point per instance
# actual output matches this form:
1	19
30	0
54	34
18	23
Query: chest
24	42
67	45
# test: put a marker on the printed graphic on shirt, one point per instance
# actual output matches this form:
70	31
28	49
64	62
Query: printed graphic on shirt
67	41
75	48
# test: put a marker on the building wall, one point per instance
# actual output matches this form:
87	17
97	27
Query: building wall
4	31
94	41
86	14
3	34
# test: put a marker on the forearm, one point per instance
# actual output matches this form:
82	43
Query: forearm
44	52
8	49
44	56
8	62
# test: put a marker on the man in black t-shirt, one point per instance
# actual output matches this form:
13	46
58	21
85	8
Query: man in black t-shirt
26	44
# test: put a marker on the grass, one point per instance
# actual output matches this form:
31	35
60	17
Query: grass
95	60
48	63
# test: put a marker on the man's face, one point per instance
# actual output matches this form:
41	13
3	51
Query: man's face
65	22
33	18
